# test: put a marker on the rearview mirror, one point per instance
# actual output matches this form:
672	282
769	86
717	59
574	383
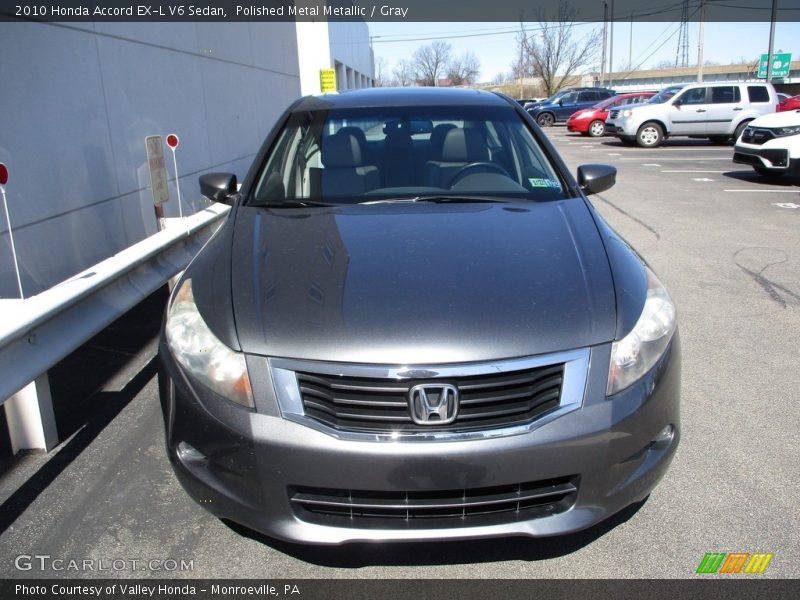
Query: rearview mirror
594	179
219	187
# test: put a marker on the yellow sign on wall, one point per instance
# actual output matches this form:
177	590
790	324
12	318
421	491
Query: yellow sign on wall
327	80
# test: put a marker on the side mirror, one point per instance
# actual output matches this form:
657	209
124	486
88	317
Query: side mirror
594	179
677	103
560	102
218	187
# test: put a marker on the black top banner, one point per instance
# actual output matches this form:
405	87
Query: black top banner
400	10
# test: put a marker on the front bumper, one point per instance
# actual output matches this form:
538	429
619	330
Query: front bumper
771	156
249	467
621	127
578	125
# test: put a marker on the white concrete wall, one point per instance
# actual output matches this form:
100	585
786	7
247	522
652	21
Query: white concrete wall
76	102
350	45
313	53
343	46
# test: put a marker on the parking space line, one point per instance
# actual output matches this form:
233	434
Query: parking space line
689	171
754	191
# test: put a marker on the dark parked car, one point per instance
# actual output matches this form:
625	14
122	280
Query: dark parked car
561	106
413	325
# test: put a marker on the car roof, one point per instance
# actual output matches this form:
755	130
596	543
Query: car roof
408	96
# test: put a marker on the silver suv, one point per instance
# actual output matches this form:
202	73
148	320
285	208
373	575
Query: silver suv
718	111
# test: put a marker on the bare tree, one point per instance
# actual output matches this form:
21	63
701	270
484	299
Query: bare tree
664	64
554	54
381	72
464	69
430	62
403	74
501	78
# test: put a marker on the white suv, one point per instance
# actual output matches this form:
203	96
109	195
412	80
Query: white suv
771	144
717	111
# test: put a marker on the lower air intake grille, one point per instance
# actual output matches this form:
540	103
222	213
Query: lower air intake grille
445	508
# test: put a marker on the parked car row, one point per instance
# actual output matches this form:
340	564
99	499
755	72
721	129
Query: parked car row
764	125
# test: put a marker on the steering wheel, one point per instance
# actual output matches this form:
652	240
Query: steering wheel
467	169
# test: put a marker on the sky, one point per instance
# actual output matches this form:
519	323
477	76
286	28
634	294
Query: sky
495	43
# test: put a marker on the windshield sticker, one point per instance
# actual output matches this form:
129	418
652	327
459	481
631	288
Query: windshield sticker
545	183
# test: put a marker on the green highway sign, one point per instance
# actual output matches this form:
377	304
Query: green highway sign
780	65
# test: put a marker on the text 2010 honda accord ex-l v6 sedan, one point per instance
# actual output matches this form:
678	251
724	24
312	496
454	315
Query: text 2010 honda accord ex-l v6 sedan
414	326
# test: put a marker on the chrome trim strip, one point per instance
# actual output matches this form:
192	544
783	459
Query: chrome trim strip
287	391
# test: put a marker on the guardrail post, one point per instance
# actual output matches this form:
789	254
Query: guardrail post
30	416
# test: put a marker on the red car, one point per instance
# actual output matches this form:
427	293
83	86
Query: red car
592	121
789	104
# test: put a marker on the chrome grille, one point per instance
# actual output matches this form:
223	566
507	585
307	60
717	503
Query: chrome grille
476	506
613	114
381	405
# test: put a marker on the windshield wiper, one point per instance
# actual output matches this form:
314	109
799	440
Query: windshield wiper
293	204
441	199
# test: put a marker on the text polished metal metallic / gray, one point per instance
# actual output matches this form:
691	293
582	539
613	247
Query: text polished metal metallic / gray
431	404
415	326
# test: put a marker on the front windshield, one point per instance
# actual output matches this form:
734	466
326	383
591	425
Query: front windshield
665	94
362	155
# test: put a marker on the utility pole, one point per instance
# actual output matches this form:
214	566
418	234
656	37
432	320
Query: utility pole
611	50
700	40
771	39
521	70
630	46
605	41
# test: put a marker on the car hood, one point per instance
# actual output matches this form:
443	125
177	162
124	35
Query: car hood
420	284
788	118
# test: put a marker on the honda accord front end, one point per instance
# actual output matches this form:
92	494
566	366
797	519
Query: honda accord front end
414	326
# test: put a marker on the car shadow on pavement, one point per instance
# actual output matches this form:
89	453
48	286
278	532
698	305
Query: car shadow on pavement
748	174
679	142
351	556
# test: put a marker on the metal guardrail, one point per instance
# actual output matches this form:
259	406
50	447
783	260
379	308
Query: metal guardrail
39	331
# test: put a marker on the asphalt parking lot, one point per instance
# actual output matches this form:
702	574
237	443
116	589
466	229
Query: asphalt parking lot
726	244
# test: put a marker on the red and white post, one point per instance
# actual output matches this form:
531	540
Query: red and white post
173	141
3	182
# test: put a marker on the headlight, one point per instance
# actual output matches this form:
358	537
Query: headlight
583	114
636	353
784	131
626	113
199	351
